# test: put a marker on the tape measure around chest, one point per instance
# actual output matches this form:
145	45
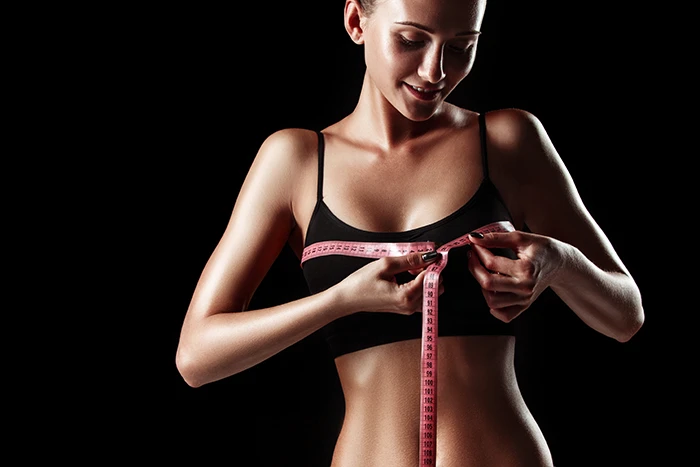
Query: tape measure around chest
429	337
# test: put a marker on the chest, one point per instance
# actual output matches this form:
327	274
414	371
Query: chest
399	194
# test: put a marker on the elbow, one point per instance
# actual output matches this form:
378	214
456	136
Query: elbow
188	368
631	327
631	319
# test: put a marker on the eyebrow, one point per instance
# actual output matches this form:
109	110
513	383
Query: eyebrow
431	31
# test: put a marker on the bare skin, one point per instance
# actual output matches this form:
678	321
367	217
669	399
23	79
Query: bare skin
482	418
382	162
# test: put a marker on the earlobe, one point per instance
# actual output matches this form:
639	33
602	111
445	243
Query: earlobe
354	21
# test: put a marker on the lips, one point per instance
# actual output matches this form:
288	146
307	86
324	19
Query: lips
424	94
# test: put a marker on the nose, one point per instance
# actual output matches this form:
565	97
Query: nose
431	68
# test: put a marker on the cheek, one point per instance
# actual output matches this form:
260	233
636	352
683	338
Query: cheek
402	63
379	54
459	68
391	63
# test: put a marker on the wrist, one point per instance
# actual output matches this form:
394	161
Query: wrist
339	303
564	263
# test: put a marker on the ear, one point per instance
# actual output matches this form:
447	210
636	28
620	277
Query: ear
354	20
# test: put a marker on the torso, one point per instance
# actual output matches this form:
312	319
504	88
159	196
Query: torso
395	192
482	418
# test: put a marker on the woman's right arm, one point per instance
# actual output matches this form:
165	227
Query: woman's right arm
220	336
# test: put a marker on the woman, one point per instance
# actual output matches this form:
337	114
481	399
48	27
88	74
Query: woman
374	176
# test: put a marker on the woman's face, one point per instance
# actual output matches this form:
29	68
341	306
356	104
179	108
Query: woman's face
417	51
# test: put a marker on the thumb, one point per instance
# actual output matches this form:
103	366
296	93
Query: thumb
413	261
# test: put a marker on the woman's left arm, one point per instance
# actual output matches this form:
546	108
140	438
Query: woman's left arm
565	248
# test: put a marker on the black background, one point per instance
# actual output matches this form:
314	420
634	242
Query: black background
194	90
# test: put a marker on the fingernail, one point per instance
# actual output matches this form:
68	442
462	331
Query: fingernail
430	255
476	234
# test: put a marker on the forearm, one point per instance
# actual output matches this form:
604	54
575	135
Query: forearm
224	344
609	302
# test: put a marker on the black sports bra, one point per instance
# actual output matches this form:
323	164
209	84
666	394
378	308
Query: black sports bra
462	307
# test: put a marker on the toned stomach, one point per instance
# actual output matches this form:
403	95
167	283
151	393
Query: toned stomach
482	418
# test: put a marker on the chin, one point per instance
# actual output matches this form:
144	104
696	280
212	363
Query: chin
420	115
417	119
421	111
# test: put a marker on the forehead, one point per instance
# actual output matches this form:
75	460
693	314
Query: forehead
438	14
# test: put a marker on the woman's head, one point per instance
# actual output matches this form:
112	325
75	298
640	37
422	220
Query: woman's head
416	51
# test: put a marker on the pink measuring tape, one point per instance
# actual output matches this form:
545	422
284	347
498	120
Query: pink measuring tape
429	338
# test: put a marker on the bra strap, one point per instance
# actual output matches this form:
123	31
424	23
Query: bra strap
482	134
319	194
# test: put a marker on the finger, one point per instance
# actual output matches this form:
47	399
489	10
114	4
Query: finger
494	263
513	240
498	300
410	262
508	314
416	283
413	292
418	271
414	289
490	280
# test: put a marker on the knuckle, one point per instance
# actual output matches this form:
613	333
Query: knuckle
529	290
529	269
509	314
405	300
413	260
508	317
488	262
487	282
526	287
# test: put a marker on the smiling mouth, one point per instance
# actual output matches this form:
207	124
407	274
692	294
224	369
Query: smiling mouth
422	93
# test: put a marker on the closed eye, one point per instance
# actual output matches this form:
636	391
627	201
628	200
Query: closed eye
409	43
460	50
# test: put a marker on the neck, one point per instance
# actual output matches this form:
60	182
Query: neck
376	118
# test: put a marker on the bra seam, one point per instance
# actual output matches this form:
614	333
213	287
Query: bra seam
411	232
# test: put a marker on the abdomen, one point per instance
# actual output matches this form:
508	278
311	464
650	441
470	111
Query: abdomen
482	418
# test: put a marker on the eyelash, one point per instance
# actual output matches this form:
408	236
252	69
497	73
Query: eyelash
415	44
412	44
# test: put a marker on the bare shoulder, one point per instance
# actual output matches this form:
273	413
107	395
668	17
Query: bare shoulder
538	188
275	174
283	160
524	164
515	131
518	143
290	145
283	177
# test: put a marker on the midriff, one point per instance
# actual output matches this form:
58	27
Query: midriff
483	420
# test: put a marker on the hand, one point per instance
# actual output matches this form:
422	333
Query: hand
511	286
374	288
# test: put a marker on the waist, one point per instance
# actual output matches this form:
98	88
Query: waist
465	363
482	417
